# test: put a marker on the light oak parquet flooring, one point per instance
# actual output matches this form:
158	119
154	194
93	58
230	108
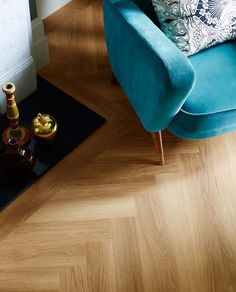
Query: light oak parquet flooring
107	217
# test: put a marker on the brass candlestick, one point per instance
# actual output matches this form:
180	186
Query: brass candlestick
15	131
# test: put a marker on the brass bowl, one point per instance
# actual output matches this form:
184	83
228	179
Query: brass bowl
46	136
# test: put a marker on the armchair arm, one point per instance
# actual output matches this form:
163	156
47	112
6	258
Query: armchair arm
154	74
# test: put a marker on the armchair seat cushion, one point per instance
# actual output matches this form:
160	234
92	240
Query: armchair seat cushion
210	108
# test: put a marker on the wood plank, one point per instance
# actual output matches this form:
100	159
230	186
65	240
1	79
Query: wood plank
23	280
74	279
100	266
128	269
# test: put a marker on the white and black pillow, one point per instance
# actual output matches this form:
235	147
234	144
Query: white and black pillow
197	24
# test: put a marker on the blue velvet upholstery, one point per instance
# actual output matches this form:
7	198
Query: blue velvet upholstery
211	106
155	75
194	98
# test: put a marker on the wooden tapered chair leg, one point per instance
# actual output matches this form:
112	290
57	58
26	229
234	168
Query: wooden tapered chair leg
157	141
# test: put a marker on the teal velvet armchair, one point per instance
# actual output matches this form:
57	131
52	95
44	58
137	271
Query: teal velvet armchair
194	97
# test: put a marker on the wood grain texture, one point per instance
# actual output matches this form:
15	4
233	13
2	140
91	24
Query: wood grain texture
107	218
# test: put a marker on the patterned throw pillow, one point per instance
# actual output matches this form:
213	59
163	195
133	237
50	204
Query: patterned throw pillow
197	24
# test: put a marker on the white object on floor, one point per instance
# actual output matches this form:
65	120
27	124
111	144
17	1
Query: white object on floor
16	62
40	44
47	7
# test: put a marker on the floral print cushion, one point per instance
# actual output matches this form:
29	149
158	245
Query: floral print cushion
197	24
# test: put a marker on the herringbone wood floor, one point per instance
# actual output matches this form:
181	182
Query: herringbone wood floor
107	218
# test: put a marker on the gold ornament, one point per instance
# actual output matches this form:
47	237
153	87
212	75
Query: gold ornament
44	126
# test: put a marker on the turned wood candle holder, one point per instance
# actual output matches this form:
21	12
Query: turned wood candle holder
21	134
